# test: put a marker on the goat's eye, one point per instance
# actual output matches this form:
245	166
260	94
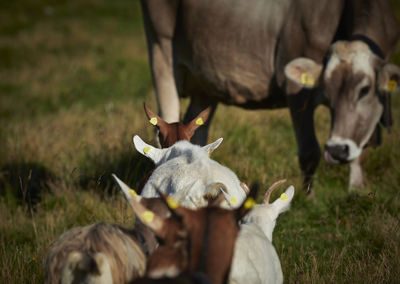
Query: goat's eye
364	91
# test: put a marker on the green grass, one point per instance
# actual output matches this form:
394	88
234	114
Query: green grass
73	77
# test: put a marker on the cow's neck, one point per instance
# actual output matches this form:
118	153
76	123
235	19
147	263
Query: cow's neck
374	20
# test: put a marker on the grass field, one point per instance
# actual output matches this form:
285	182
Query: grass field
73	78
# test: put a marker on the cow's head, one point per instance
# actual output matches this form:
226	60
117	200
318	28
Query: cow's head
354	81
169	133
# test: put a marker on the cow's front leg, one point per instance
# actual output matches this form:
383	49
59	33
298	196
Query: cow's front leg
302	111
356	175
196	106
159	20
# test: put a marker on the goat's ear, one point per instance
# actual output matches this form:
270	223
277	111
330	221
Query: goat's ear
283	202
128	193
147	150
147	217
198	121
249	203
212	146
177	211
155	120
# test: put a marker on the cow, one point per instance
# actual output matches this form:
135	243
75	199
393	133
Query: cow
268	54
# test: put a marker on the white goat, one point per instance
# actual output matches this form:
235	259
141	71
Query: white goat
255	259
185	171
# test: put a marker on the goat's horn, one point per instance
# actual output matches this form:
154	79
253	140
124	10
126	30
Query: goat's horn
213	190
245	188
271	189
213	193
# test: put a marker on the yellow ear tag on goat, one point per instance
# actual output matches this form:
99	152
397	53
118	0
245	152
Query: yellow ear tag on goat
249	203
146	150
147	216
133	193
391	86
153	121
199	121
232	200
284	197
307	79
172	203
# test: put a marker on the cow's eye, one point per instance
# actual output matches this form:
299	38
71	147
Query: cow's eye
364	91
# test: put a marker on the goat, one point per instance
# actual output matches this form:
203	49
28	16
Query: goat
184	171
255	259
170	133
193	241
103	252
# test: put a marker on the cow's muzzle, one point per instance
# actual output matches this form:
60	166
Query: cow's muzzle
336	154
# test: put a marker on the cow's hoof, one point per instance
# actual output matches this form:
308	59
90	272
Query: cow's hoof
308	186
360	189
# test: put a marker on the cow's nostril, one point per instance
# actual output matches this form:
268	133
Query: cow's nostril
338	152
346	150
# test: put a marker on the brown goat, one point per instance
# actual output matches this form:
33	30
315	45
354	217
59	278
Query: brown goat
103	252
193	241
170	133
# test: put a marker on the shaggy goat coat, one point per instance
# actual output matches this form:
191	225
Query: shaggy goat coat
98	253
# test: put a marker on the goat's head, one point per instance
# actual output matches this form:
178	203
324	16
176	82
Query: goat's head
265	214
170	133
193	240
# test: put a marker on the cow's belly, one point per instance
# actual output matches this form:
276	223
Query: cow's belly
225	83
228	54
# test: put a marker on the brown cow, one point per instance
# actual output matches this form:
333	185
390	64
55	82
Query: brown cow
271	54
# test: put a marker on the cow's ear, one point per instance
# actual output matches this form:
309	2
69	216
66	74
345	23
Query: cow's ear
302	73
389	78
147	150
212	146
198	121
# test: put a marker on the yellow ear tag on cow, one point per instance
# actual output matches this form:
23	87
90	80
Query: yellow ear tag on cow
147	216
199	121
133	193
307	79
391	86
284	197
153	121
172	203
232	200
249	203
146	150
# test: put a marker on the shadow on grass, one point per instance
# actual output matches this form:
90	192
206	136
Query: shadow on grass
25	182
129	167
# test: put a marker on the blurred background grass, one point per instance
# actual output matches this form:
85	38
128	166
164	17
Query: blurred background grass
73	78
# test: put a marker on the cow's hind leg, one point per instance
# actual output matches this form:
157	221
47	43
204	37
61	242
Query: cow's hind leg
196	106
302	111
